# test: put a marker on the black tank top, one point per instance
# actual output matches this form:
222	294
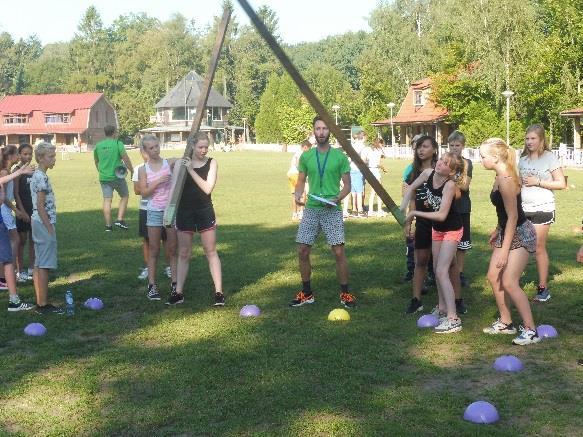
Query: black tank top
453	221
24	192
498	202
192	196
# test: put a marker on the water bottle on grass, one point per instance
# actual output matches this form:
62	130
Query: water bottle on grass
69	303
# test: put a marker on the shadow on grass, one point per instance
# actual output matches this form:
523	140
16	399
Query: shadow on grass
139	367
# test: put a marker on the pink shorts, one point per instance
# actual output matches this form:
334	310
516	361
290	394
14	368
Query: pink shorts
447	235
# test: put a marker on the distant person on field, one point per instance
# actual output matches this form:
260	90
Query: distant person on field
43	222
24	205
357	179
457	142
324	167
292	177
372	156
541	174
109	154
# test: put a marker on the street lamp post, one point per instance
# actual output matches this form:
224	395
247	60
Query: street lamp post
244	130
335	108
391	105
508	94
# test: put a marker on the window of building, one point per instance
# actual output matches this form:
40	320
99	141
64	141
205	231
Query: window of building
217	113
57	118
15	119
418	98
178	113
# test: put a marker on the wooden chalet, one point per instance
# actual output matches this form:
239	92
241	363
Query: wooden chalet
175	112
418	114
63	119
576	114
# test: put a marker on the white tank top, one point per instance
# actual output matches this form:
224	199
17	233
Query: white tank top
159	198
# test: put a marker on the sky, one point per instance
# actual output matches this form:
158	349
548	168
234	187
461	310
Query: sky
299	20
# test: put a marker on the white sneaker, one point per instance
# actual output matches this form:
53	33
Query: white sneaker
448	326
527	336
499	328
168	272
29	274
21	277
143	274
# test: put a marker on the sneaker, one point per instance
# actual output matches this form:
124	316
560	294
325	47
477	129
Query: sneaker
500	328
220	299
22	277
463	280
542	295
448	326
407	277
348	300
143	274
108	228
153	292
168	272
19	306
29	274
3	285
436	312
175	299
460	308
414	306
527	336
121	224
302	299
49	309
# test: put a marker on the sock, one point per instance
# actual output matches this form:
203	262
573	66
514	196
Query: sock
344	288
14	298
307	287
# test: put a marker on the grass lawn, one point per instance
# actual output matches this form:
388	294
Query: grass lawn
140	368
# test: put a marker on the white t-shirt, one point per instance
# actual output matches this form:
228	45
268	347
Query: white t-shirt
135	178
537	198
373	156
358	147
293	165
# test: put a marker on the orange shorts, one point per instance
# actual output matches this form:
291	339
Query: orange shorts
447	235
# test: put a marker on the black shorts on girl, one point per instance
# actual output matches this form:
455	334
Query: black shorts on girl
541	217
5	248
422	233
196	220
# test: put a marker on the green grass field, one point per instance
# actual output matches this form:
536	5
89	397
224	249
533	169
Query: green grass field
140	368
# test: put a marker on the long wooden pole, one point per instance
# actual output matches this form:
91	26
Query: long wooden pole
178	186
319	108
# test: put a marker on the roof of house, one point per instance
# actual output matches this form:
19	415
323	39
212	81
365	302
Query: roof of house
410	113
187	93
53	103
574	111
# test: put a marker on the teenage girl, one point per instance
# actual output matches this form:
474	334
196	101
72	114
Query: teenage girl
512	241
372	157
155	183
541	173
425	150
195	213
9	158
439	193
24	206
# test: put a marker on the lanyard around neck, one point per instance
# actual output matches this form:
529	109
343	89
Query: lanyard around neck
322	169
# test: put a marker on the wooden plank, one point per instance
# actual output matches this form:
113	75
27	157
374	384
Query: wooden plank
319	108
180	175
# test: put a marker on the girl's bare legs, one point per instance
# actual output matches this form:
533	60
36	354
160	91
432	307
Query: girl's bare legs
209	245
443	257
170	250
184	251
421	260
495	278
154	235
542	256
517	260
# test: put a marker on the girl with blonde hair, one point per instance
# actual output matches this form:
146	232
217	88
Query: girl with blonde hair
512	241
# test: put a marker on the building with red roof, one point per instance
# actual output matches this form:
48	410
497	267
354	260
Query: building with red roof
419	114
576	114
63	119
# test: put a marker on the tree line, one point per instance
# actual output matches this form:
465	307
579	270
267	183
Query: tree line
472	49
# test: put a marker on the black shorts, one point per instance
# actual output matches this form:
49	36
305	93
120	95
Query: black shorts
22	226
540	217
143	229
196	220
466	242
422	233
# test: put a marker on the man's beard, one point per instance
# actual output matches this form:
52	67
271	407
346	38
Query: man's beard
324	142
